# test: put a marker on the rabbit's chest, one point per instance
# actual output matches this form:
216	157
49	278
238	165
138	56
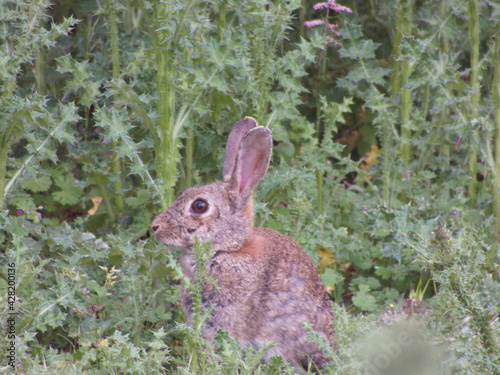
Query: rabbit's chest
235	299
236	281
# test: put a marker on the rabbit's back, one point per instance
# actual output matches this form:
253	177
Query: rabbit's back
267	289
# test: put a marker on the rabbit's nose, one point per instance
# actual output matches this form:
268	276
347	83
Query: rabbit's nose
156	224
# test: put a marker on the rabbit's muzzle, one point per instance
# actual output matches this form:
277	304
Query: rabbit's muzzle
165	232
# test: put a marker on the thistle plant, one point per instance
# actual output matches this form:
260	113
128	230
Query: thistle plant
405	25
23	39
113	7
329	29
473	13
496	103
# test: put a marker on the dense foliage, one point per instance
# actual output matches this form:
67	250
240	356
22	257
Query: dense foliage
385	168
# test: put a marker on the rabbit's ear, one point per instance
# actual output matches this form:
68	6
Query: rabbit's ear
251	163
239	130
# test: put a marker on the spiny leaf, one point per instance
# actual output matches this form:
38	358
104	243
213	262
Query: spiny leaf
114	122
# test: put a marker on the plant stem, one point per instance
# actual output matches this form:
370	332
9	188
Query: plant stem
4	155
221	20
396	51
496	104
129	17
445	48
189	156
319	172
115	59
165	147
113	34
138	320
425	101
319	182
221	26
394	86
40	72
386	160
302	18
322	62
166	150
406	103
473	13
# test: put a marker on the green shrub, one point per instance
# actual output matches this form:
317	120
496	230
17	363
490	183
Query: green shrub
385	168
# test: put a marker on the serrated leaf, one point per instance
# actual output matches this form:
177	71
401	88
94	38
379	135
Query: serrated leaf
38	184
95	287
384	272
364	301
70	192
360	49
412	49
330	278
372	282
68	115
115	123
142	197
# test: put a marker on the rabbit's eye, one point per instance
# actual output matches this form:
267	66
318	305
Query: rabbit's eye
199	206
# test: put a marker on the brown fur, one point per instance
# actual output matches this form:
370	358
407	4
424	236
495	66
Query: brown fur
268	286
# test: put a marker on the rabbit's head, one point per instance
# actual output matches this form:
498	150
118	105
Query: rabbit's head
221	212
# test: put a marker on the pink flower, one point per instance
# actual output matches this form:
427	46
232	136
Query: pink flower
320	6
333	6
341	8
313	23
328	5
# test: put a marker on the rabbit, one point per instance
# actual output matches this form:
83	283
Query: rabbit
268	285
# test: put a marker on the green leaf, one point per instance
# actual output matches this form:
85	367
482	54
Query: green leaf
330	277
70	192
384	272
115	123
412	49
382	232
371	282
143	197
38	184
363	300
95	287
